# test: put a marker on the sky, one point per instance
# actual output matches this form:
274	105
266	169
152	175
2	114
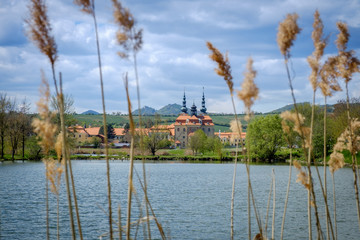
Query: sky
174	57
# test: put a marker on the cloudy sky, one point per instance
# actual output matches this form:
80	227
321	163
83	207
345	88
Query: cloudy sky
174	56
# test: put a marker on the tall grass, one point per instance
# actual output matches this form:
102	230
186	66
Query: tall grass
88	6
39	31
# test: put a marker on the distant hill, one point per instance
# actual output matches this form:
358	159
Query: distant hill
170	109
145	111
289	107
90	112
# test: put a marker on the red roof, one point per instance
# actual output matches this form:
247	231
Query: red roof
93	131
119	131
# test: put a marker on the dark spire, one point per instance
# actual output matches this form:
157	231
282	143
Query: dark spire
193	110
203	108
184	108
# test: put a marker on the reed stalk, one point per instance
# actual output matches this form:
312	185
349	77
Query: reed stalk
131	168
88	6
161	231
40	34
268	208
334	202
119	222
286	197
324	163
64	153
248	94
47	205
353	165
274	204
233	195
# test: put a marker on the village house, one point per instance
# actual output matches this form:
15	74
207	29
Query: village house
231	138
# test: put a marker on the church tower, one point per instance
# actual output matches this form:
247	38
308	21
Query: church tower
203	108
184	108
193	110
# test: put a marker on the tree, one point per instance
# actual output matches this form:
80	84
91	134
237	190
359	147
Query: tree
68	110
126	127
25	124
214	145
265	137
14	128
197	142
110	131
95	141
318	129
155	141
4	110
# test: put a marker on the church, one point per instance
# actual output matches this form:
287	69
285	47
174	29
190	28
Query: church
187	123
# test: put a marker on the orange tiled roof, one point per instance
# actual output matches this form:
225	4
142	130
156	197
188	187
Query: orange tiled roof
93	131
119	131
229	134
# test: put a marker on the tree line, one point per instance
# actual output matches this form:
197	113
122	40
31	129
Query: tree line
265	137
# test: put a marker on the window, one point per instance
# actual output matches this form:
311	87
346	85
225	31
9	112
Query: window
183	129
178	129
208	129
183	137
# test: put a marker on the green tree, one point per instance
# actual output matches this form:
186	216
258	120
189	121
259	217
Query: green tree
198	141
265	137
155	141
95	141
110	131
214	145
25	124
4	110
318	129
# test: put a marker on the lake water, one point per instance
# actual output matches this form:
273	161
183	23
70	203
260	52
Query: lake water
191	201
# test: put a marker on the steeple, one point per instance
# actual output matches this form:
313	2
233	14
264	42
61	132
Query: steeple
203	108
193	110
184	108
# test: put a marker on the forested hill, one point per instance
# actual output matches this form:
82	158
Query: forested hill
289	107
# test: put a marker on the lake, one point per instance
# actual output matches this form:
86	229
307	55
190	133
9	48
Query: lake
191	201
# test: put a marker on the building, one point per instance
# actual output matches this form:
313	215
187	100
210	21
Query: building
231	138
188	123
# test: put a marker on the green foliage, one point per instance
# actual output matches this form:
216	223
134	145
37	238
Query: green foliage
155	141
265	137
214	145
318	129
33	148
198	142
110	131
95	141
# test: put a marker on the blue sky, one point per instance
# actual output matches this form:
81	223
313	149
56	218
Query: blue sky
174	56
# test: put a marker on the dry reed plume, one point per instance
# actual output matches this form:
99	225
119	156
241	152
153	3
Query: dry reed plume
127	35
249	91
224	68
43	125
319	44
39	29
302	177
298	120
287	32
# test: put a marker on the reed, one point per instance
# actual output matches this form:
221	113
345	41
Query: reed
88	7
287	33
289	137
39	31
248	94
347	65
